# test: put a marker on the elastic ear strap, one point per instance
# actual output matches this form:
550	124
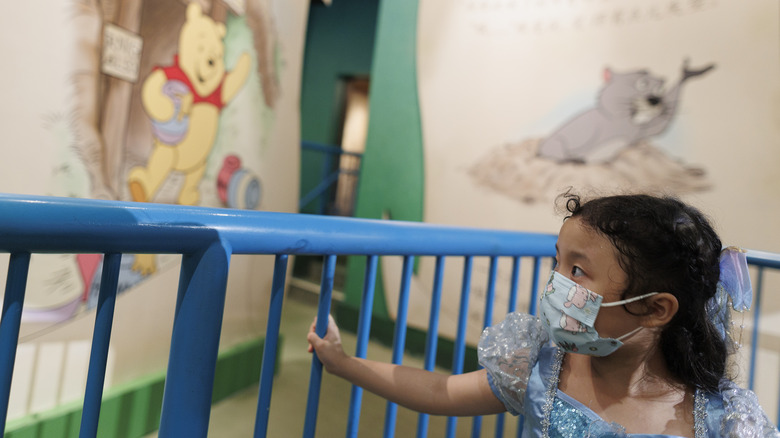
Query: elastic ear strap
630	300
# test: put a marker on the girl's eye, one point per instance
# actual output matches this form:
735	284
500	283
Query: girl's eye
577	272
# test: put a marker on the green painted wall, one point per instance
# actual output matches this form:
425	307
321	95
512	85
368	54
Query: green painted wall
392	175
339	43
360	37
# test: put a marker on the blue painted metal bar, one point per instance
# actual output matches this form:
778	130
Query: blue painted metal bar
490	296
460	337
513	286
320	328
101	337
66	225
399	338
15	284
531	310
432	336
754	331
511	307
197	326
270	345
363	331
763	258
319	192
82	228
535	286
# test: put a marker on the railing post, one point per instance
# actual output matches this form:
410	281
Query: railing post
194	343
460	338
363	331
270	346
399	338
9	325
321	328
101	337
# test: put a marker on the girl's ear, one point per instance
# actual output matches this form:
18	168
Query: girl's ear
661	308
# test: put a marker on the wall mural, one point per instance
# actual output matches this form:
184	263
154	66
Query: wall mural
167	101
170	70
522	99
610	143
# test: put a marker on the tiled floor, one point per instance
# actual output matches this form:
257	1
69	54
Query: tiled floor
235	416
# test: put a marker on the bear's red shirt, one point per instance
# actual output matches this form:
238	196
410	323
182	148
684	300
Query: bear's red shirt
174	72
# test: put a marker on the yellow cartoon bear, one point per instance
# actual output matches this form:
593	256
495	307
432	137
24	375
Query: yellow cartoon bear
184	101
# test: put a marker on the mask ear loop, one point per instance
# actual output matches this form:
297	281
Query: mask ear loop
628	301
632	332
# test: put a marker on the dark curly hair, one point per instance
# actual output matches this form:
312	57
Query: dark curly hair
667	245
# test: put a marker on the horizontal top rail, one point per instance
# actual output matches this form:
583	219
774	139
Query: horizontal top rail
44	224
763	258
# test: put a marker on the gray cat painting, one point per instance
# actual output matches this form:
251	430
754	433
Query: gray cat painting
631	107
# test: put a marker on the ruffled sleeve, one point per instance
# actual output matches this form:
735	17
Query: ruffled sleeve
508	351
744	417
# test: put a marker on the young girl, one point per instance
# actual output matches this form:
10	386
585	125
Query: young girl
635	312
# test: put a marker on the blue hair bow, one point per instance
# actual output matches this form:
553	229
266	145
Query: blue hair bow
735	278
734	290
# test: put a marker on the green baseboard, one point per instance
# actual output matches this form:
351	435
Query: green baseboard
132	410
383	331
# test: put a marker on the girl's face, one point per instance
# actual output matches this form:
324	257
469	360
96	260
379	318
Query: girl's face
589	259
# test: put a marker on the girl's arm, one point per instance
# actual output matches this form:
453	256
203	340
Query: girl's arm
413	388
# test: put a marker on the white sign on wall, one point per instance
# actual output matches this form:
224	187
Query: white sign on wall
121	56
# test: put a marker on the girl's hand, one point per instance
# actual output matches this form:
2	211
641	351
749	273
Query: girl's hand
329	349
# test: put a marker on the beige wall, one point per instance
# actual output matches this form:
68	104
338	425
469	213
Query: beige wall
56	144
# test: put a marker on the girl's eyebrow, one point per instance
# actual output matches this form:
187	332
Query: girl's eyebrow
574	255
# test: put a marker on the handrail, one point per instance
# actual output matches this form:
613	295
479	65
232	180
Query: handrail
207	237
332	173
88	226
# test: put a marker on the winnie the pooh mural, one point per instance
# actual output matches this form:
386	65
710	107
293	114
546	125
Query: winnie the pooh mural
183	102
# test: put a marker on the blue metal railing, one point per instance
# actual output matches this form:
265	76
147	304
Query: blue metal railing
207	238
339	169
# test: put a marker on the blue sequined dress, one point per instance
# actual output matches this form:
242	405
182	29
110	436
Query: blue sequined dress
523	373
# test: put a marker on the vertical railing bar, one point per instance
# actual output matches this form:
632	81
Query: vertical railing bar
432	337
399	338
535	285
511	307
10	322
532	311
363	331
270	345
460	337
101	338
513	287
754	335
476	422
321	328
192	358
326	170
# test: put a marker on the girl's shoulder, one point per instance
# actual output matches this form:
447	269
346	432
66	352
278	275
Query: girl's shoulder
508	351
737	412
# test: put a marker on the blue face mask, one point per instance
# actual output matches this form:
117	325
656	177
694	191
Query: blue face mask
569	310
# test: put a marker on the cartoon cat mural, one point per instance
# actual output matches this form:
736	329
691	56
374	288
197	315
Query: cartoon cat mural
631	107
606	147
